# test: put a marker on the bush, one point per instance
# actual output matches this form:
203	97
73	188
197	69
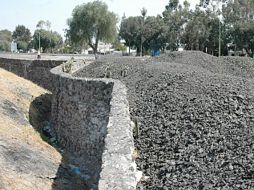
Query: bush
121	47
5	46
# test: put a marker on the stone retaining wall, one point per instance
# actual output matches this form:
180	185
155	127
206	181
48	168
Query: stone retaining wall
92	121
37	71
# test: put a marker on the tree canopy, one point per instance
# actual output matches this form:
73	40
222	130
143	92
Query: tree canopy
130	30
44	25
90	23
5	40
213	23
22	37
48	39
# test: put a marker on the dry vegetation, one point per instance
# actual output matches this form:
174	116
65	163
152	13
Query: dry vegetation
27	161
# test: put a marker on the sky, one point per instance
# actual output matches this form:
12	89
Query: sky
29	12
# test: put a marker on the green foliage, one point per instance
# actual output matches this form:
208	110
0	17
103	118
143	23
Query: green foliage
91	23
153	36
48	39
5	46
70	47
67	67
120	47
5	35
172	5
175	18
197	31
238	16
151	31
5	40
22	45
22	37
143	12
213	22
130	30
46	25
21	33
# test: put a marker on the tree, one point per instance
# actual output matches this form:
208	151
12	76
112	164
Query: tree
153	36
130	31
172	5
46	25
5	40
151	32
91	23
197	31
48	39
175	17
206	3
235	22
143	14
238	16
22	37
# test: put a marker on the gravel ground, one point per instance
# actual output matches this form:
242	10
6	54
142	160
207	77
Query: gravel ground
195	116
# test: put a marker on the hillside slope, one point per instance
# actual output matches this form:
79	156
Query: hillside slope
26	161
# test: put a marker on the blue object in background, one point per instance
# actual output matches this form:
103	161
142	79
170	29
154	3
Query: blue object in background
156	52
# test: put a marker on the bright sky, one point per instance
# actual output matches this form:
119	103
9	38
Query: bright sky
29	12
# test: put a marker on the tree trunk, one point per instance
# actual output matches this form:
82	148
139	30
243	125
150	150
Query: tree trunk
141	47
95	53
129	48
94	47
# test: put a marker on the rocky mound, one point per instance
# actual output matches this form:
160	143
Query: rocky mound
195	58
236	66
194	121
239	66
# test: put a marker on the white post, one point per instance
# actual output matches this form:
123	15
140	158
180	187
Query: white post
39	43
219	38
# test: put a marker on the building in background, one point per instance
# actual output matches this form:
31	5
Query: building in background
14	47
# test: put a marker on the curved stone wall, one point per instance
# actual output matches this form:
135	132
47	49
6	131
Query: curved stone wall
38	71
92	121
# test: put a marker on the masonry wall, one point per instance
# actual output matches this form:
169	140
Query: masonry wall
81	111
91	119
37	71
92	122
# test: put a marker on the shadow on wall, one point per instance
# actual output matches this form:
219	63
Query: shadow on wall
40	117
76	171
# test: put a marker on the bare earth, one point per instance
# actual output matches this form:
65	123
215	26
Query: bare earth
26	161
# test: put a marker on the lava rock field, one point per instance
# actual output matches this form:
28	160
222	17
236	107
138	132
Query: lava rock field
195	116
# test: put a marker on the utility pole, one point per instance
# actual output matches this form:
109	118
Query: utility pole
143	13
39	42
39	50
217	9
219	38
141	40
